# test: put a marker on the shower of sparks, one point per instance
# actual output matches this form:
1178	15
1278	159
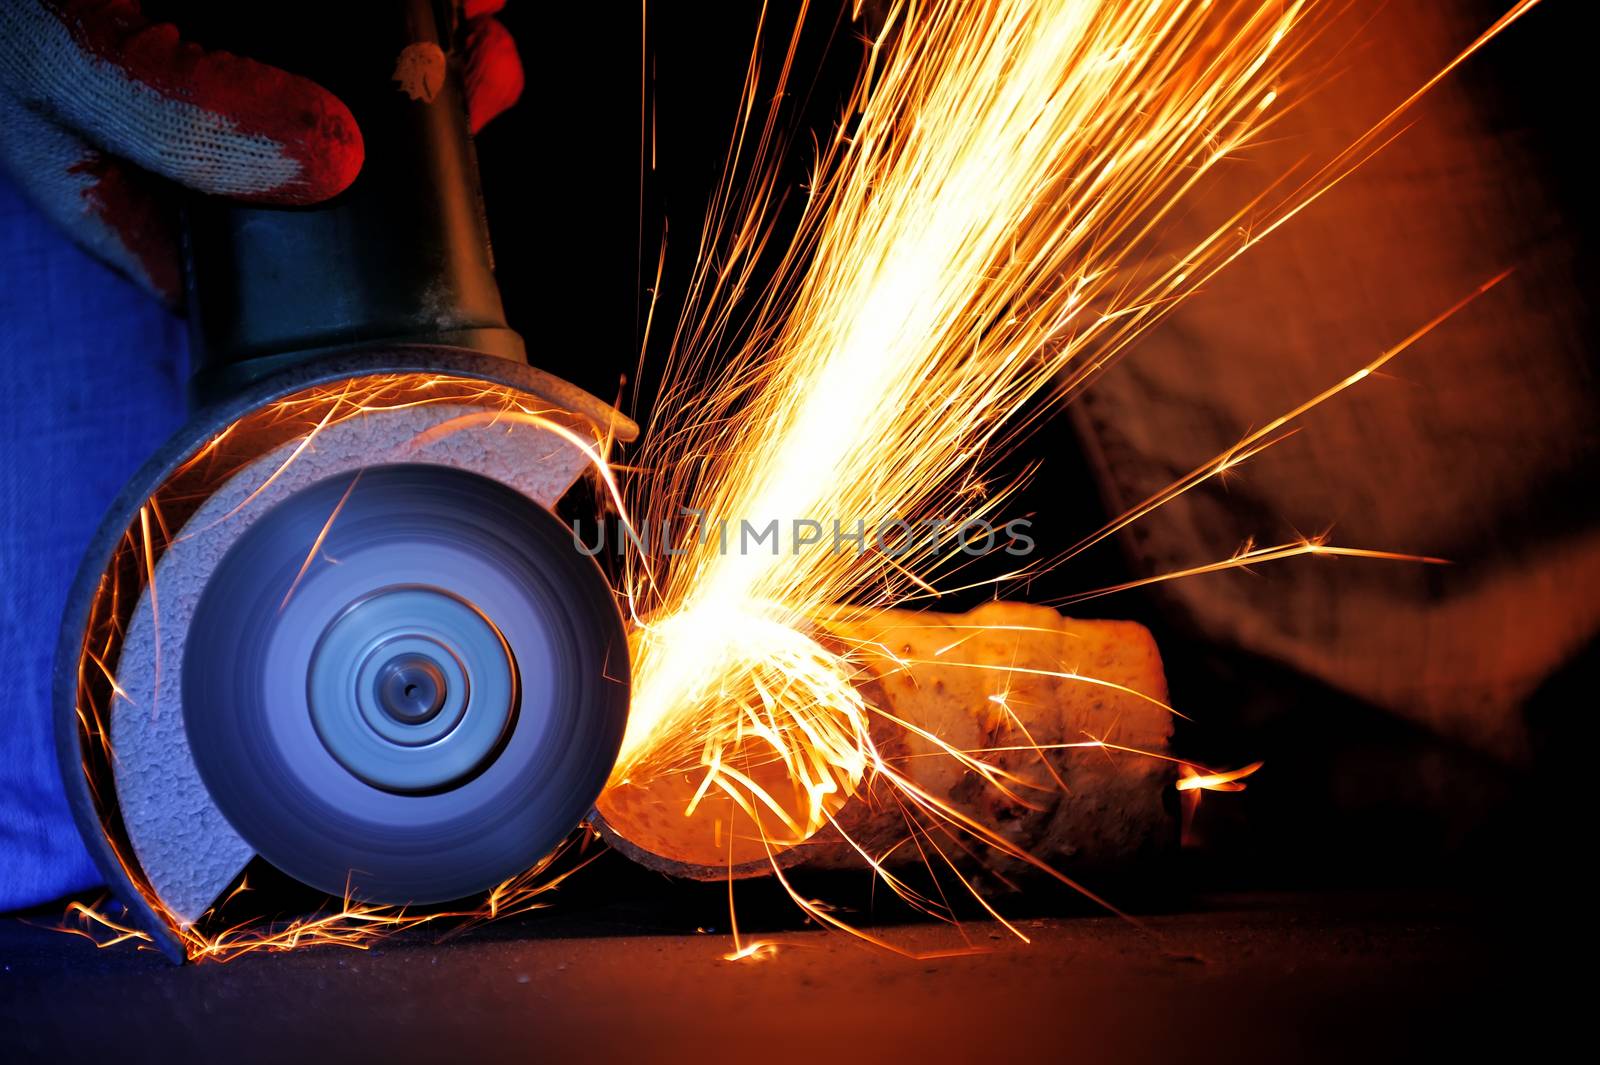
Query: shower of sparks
989	226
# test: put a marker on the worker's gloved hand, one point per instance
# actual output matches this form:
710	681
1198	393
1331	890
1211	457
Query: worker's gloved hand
95	98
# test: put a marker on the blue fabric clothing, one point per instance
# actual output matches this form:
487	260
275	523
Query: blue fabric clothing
91	382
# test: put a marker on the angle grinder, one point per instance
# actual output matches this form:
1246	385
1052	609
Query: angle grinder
335	624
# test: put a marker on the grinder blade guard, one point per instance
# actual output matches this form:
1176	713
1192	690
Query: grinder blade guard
335	622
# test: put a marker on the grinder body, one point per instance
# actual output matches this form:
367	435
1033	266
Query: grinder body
400	257
367	652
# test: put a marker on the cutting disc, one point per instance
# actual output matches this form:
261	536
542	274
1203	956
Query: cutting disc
405	682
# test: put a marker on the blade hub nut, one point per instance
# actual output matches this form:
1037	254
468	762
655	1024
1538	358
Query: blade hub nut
411	688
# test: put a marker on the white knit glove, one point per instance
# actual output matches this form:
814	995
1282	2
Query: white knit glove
88	87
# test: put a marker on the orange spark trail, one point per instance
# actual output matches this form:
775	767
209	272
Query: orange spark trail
991	222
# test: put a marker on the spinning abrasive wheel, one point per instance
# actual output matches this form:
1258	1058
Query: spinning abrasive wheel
335	622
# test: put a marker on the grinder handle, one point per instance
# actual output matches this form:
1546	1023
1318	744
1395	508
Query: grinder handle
399	258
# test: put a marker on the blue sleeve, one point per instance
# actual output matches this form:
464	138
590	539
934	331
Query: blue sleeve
91	382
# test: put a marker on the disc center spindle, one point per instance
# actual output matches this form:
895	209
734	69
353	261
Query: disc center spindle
411	688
